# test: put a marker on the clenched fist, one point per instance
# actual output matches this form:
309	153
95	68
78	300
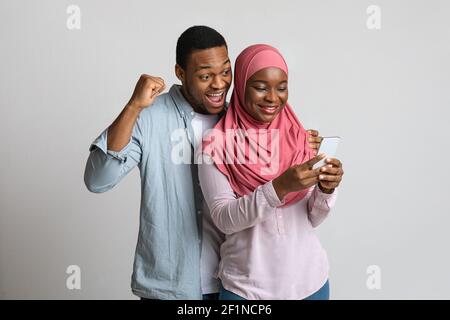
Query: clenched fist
146	90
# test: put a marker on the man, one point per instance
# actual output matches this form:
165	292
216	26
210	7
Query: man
167	257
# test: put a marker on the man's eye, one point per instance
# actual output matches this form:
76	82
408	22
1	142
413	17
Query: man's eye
282	89
204	77
226	72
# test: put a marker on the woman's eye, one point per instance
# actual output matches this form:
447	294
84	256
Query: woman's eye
282	89
226	72
260	89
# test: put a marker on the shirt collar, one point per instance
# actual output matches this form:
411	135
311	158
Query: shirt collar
184	107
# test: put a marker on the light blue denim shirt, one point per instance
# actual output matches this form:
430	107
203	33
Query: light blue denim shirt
167	257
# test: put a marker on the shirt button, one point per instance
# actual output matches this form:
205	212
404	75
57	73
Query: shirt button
192	113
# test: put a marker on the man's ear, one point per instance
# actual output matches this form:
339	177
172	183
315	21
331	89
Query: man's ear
179	72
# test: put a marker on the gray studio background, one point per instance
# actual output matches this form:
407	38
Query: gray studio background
386	92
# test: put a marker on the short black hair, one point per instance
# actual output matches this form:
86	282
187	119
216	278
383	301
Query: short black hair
197	38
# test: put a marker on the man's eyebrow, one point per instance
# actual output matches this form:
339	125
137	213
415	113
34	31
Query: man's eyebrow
207	66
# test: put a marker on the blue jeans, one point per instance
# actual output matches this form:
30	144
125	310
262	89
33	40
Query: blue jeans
211	296
322	294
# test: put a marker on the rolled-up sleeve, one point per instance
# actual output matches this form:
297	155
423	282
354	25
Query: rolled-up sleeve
319	205
105	168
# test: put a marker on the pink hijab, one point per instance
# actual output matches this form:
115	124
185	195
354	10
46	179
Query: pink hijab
277	145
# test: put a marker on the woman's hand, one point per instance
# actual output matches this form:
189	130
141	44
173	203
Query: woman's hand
314	139
330	175
297	177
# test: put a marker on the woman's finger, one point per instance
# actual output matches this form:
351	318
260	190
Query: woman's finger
307	183
333	161
331	178
331	170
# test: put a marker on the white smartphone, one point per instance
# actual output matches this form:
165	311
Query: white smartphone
328	146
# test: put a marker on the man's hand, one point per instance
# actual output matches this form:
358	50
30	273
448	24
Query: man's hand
330	175
146	90
314	139
297	177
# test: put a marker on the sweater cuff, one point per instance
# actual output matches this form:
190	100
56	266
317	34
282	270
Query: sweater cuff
324	200
271	195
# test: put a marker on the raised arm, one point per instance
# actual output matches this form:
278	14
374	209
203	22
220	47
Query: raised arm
145	92
118	149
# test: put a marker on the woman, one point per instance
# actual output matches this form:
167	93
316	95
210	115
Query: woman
261	190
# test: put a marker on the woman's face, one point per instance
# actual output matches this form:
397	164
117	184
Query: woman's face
266	94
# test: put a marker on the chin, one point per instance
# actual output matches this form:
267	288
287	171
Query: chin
269	119
214	110
266	119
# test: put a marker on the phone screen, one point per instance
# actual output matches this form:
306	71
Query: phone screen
328	146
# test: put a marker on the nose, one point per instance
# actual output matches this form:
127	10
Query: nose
271	96
218	83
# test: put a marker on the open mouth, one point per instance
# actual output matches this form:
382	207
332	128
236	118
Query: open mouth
268	109
216	99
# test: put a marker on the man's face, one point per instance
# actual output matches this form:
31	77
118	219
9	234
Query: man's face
206	79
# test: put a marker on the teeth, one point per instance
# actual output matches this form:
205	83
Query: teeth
269	109
215	94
